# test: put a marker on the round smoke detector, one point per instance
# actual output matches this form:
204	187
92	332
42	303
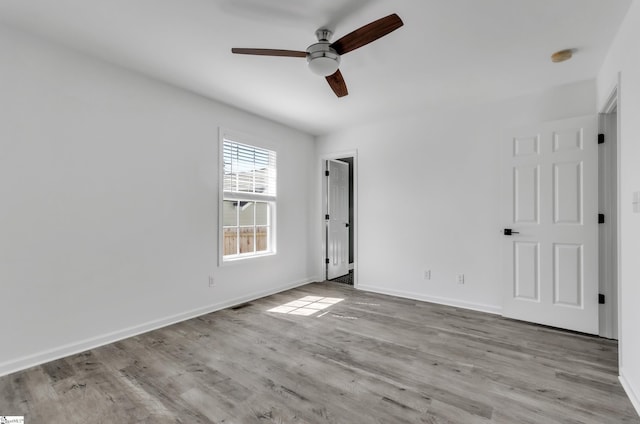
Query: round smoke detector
562	55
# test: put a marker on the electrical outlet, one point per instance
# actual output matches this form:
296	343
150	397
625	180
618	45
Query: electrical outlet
460	278
427	274
211	283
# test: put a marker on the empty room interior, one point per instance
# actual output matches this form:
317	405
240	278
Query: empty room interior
295	211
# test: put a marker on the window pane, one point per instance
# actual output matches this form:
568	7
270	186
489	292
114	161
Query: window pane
230	211
230	241
245	182
229	183
227	156
247	236
262	239
262	213
262	180
246	213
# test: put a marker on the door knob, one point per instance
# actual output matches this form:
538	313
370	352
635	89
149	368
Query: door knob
509	232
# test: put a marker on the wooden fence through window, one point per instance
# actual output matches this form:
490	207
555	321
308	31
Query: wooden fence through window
247	240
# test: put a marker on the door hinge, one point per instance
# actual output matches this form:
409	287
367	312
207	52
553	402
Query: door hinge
601	299
600	218
326	173
327	261
600	138
326	217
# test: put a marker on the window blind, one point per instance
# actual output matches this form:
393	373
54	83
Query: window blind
248	170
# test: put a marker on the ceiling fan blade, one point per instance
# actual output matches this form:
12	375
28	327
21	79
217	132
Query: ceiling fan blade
270	52
336	81
368	33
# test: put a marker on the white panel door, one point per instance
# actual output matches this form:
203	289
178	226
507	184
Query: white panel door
550	201
338	222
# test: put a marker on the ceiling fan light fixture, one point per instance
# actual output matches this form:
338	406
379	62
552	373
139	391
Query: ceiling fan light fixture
323	60
324	66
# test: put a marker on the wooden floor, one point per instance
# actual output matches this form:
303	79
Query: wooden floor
366	359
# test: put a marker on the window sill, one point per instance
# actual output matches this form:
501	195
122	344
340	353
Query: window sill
242	258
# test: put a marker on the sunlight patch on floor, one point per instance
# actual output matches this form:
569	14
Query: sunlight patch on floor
306	306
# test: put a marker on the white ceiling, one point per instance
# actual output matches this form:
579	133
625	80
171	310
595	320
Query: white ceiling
448	52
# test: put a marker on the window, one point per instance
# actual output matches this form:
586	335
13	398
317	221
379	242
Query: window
249	200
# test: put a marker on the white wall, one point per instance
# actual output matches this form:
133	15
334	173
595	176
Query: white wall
108	203
429	195
624	59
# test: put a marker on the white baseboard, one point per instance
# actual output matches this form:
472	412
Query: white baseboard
634	396
29	361
491	309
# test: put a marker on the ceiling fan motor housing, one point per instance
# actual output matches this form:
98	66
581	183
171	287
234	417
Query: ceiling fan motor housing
323	60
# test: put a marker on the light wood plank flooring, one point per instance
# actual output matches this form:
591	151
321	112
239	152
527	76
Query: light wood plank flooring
367	359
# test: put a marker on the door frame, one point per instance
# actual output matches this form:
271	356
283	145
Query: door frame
323	206
612	262
337	208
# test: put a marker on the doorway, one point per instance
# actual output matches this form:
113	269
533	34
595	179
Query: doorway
339	206
608	189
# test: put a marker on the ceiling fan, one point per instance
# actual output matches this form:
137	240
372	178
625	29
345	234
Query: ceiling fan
324	57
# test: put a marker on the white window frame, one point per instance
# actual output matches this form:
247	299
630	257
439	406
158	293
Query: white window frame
247	140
